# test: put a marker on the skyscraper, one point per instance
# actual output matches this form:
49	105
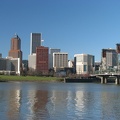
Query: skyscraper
15	51
35	41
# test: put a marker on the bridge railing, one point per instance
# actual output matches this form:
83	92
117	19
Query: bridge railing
107	72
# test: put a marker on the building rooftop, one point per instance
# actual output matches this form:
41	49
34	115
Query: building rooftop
15	36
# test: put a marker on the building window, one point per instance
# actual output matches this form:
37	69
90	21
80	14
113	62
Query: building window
85	68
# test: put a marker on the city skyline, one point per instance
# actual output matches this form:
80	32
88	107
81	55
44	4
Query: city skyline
73	26
62	51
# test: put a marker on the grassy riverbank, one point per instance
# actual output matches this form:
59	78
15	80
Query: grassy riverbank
29	78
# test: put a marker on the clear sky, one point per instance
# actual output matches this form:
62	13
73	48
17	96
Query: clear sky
74	26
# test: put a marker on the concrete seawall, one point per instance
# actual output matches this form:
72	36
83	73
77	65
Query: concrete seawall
81	80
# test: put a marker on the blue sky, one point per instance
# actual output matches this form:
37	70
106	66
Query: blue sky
74	26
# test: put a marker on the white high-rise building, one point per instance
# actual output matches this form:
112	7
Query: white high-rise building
60	60
84	63
32	61
52	50
35	41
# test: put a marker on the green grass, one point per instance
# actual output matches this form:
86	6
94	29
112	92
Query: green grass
27	78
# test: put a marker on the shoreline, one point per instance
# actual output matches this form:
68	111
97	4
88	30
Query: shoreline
31	80
9	78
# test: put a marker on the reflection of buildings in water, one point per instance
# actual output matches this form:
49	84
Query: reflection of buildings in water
82	102
14	105
57	102
30	101
75	103
51	102
87	102
41	98
79	101
39	106
26	103
70	98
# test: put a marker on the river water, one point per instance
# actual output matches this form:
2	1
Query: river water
59	101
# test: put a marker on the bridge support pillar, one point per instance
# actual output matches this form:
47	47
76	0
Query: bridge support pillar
117	80
103	79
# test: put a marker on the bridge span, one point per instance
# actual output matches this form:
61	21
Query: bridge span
104	77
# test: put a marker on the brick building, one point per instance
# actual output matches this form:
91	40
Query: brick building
15	51
42	59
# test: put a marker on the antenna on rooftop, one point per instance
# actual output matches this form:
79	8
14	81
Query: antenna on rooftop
42	42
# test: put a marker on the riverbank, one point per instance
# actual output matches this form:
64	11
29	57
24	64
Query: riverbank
7	78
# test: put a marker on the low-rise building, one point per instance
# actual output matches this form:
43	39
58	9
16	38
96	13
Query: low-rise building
10	65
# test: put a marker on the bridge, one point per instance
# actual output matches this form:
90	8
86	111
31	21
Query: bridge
104	77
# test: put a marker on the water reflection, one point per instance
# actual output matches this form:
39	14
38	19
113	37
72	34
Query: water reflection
39	108
13	105
56	101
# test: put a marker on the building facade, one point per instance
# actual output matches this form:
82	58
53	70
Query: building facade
84	63
109	59
42	59
35	41
60	60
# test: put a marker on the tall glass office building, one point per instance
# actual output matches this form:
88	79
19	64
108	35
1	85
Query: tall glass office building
35	41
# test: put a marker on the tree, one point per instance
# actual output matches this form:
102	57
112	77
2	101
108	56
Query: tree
51	72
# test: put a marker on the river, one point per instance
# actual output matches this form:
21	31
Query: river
59	101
